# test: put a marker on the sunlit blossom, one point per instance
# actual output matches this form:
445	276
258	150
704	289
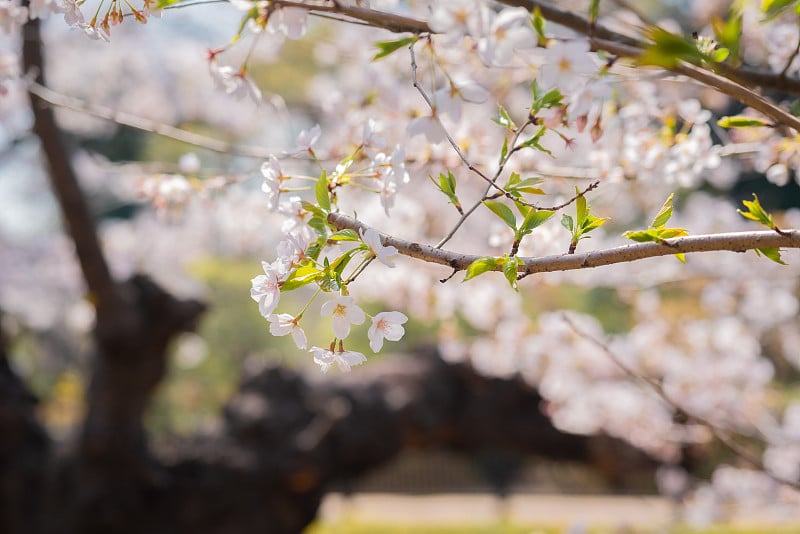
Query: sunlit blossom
326	358
284	324
344	312
386	325
384	254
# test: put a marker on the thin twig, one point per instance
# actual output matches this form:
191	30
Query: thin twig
720	434
147	125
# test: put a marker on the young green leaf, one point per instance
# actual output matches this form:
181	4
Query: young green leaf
503	119
502	211
300	277
668	49
663	214
344	235
504	151
322	193
386	48
566	222
756	213
741	121
537	21
772	253
480	266
510	267
533	219
594	9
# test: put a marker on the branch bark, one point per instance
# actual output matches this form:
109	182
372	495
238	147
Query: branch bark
733	241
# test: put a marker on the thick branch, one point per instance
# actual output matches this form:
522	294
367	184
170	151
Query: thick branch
747	75
734	242
720	83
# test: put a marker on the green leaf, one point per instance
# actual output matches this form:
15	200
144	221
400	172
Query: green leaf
386	48
740	121
503	119
447	185
313	208
510	267
773	8
344	235
533	142
319	224
642	236
581	208
566	222
480	266
504	151
728	33
533	219
300	277
537	21
668	49
322	193
663	214
592	223
502	211
772	253
720	54
756	213
594	8
669	233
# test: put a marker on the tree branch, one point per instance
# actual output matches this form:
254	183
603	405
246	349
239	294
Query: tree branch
734	242
133	121
74	209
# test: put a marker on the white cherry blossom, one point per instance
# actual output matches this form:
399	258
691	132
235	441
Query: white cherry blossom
386	325
273	177
567	65
326	358
345	312
306	139
384	254
266	289
283	324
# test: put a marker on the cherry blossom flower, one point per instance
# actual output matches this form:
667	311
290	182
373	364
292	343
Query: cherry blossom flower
567	65
234	82
266	289
325	358
95	32
386	325
429	126
370	137
306	139
273	176
458	18
449	98
283	324
9	66
296	218
345	312
290	21
509	30
290	252
384	254
72	12
12	15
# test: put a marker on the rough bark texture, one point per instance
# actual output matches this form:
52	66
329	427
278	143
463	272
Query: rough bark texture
284	439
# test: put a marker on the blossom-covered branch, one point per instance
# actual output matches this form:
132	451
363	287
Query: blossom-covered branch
733	241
